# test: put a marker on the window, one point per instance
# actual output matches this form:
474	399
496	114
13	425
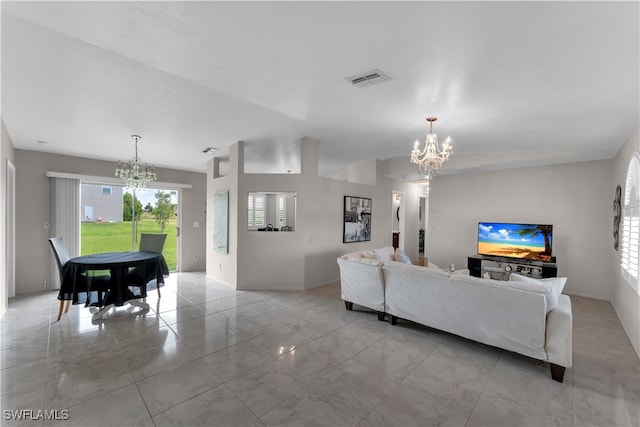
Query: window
630	224
256	209
107	224
282	210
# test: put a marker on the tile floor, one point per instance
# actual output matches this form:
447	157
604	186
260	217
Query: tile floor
208	355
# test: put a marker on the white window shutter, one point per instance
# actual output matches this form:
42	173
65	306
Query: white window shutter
630	225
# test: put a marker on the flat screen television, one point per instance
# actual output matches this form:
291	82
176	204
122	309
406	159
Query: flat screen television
524	241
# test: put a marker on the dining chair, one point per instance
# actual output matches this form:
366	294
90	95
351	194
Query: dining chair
99	284
149	242
62	257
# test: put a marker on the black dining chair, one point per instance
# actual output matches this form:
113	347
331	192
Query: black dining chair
149	242
98	284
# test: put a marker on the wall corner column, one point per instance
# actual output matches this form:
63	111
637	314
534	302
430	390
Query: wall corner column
214	166
236	159
309	157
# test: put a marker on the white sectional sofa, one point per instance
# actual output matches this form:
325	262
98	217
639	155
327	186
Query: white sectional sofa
528	317
361	279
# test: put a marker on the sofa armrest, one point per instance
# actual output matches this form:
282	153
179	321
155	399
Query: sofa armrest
362	283
558	343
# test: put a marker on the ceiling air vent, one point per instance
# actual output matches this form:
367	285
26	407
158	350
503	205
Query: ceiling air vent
367	79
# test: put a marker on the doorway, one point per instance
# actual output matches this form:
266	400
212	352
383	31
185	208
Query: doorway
398	215
10	232
423	225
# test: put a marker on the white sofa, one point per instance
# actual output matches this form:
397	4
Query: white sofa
527	318
361	280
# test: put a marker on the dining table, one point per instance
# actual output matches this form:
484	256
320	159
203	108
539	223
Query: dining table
127	272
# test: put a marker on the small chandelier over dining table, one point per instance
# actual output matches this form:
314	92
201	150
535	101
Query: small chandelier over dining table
430	159
135	174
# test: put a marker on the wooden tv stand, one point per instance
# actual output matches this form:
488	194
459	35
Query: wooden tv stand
500	268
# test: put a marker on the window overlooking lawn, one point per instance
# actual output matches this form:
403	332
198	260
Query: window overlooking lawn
106	224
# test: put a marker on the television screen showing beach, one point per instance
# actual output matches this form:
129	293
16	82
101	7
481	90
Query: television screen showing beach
529	241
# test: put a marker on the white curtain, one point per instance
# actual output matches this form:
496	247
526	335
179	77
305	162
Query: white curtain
65	219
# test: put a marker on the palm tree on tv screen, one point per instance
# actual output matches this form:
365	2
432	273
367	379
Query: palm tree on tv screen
534	231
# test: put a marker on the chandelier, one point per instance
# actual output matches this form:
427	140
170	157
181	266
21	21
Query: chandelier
430	159
135	173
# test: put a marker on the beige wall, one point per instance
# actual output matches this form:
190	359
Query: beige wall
7	154
222	266
33	252
624	298
576	198
306	257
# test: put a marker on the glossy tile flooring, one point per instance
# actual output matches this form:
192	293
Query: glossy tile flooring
208	355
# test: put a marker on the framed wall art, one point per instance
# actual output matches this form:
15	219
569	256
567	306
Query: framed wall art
221	222
357	220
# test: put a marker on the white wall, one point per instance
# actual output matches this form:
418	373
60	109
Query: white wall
32	210
625	300
7	153
576	198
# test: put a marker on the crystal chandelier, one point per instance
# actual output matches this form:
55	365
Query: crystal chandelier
135	173
430	159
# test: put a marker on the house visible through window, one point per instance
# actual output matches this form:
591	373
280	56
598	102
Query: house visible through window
630	224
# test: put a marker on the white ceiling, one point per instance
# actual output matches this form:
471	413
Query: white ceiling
514	83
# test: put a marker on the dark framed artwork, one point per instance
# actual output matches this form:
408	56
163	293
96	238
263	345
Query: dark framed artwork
617	214
357	220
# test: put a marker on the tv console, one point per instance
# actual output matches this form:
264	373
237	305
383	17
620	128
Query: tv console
501	268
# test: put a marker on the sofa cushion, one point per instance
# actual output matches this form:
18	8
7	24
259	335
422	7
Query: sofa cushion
418	268
384	254
358	254
368	261
536	285
479	280
556	283
543	289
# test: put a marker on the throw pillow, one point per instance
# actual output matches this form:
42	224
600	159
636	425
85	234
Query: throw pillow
539	285
384	254
353	256
402	257
556	283
368	261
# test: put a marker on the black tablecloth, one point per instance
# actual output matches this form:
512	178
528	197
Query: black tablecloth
127	271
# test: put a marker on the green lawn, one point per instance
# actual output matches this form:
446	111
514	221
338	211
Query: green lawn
99	237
